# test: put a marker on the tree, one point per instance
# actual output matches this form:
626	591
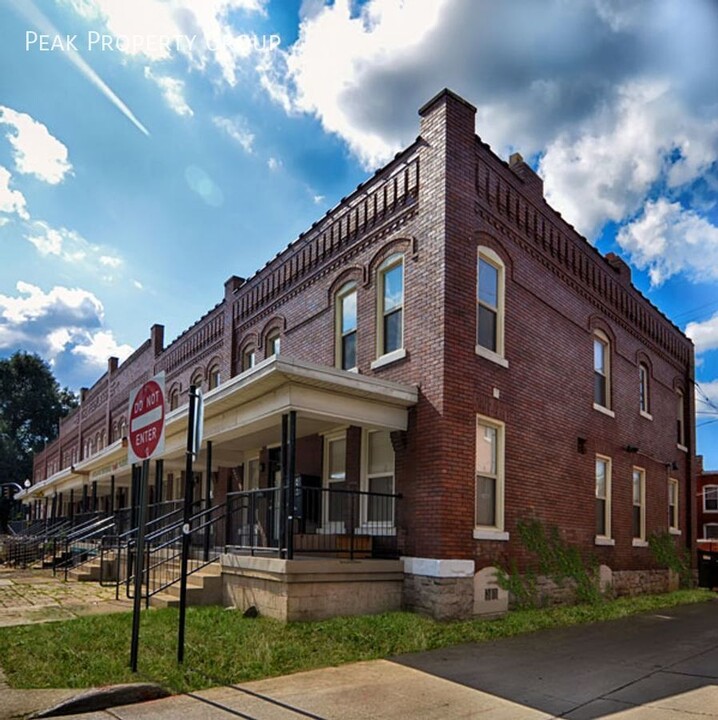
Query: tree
31	405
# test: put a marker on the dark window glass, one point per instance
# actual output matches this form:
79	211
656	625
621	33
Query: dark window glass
487	328
381	509
599	389
392	331
485	501
600	516
488	284
349	351
636	521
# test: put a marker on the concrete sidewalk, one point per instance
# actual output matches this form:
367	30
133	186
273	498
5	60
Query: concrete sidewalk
658	666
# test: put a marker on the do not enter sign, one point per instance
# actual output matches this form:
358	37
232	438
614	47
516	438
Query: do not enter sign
147	419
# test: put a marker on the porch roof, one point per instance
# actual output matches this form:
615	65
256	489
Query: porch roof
245	413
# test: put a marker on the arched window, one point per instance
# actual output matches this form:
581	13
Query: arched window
345	335
680	420
249	358
390	306
644	390
490	290
273	344
174	399
197	380
601	370
214	377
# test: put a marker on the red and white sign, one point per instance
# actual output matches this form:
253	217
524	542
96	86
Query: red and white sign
147	420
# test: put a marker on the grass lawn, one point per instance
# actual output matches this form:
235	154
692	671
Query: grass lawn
223	647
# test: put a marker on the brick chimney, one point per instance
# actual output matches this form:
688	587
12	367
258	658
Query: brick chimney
157	337
532	181
112	363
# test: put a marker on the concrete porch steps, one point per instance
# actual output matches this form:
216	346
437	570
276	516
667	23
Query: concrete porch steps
204	587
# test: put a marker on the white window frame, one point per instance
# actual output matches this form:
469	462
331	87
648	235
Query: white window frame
492	258
367	526
639	541
344	292
607	537
600	337
644	391
496	531
681	421
715	489
707	525
331	526
213	371
248	359
384	358
674	517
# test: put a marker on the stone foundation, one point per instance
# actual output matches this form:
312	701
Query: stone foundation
442	589
643	582
293	590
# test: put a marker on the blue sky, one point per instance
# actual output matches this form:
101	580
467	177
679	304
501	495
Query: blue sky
135	177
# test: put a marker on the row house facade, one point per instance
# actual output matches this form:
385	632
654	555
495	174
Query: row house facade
443	336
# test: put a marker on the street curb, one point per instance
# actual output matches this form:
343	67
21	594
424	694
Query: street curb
105	697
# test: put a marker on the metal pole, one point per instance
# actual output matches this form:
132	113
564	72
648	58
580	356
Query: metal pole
207	499
188	491
133	497
139	563
283	493
292	471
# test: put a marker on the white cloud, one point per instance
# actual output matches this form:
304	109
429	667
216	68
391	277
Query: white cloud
604	171
59	321
138	284
236	128
11	201
219	41
35	150
70	246
274	164
668	239
172	91
99	346
110	261
704	334
318	199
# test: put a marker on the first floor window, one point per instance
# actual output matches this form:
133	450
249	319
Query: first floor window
380	477
603	497
489	474
710	531
710	498
639	504
335	456
673	504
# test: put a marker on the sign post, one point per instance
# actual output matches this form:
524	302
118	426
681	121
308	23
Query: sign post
147	439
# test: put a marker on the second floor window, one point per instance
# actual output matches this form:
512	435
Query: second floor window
391	306
680	415
601	370
643	389
214	377
249	359
346	328
710	498
273	344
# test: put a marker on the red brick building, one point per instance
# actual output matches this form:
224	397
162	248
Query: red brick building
706	502
442	334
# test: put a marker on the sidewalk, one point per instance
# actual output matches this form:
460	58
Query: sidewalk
32	596
657	666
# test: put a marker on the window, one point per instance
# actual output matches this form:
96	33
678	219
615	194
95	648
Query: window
673	504
680	415
335	452
710	498
346	328
251	474
490	305
644	398
639	504
273	343
390	333
710	531
197	381
249	359
379	477
603	497
489	474
214	377
601	370
174	400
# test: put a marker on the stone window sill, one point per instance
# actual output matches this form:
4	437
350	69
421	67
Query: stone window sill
674	531
604	410
486	534
487	354
636	542
682	448
646	415
600	540
389	358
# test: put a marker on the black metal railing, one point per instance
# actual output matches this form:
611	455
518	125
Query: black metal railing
290	522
